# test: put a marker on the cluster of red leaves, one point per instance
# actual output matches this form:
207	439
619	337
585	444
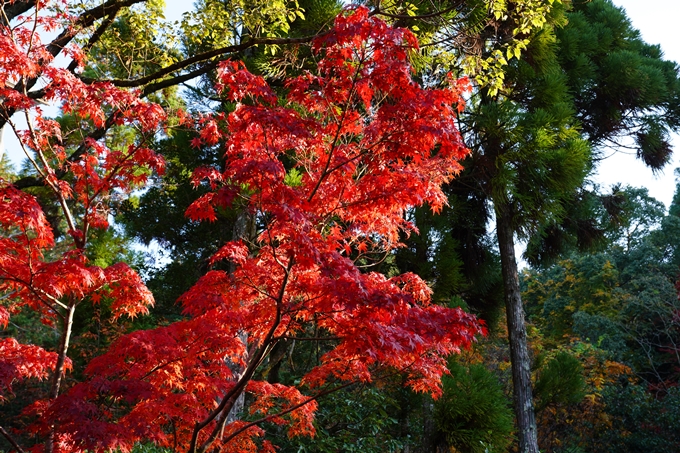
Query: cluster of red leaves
31	281
21	361
368	144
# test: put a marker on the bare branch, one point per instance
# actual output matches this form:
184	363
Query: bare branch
9	438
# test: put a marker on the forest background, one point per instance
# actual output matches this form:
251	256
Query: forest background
555	88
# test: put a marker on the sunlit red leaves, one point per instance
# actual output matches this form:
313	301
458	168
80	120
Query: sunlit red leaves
236	252
18	361
42	285
14	60
91	101
386	323
103	171
277	398
129	295
202	208
22	212
238	83
244	438
98	170
171	376
369	144
4	317
367	160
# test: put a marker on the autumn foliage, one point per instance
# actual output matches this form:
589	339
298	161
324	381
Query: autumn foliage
328	170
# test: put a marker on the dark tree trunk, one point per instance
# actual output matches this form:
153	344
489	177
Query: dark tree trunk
12	10
58	376
519	351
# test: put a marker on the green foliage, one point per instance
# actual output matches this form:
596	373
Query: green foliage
157	215
560	381
138	43
149	448
455	253
474	414
7	171
215	24
622	303
621	84
588	284
639	215
107	247
360	419
641	422
276	62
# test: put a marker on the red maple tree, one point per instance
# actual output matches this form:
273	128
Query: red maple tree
329	170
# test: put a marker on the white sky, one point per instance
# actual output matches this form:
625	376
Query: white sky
657	22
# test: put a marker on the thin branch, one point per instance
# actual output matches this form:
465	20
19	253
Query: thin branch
334	143
202	57
231	395
288	337
287	411
11	440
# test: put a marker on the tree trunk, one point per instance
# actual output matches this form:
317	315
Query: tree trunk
243	229
430	434
519	351
59	369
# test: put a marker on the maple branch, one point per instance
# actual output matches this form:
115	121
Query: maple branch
288	337
334	143
297	406
230	397
35	27
169	362
53	185
360	154
11	440
39	294
26	152
287	411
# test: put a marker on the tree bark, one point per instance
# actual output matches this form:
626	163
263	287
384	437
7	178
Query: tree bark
243	229
517	333
12	10
59	369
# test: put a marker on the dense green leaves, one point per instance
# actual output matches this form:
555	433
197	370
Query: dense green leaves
474	414
621	85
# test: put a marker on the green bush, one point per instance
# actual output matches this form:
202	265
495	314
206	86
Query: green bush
560	382
474	414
